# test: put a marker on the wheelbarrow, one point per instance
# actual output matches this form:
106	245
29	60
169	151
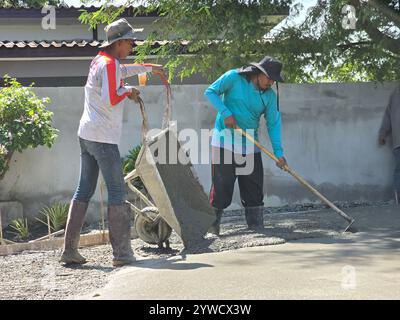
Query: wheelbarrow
176	200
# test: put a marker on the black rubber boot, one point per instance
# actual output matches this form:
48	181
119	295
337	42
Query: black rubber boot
215	227
119	226
76	217
254	217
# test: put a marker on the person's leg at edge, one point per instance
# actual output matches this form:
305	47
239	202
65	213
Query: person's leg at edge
89	171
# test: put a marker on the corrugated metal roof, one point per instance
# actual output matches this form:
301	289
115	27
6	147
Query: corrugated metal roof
75	48
61	6
47	44
68	44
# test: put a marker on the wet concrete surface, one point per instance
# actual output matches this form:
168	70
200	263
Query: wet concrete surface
314	260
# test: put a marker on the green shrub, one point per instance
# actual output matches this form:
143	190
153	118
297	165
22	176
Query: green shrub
24	121
21	228
57	213
129	165
130	159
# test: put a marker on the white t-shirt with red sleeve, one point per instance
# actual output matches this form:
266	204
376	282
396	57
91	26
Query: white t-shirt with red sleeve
105	93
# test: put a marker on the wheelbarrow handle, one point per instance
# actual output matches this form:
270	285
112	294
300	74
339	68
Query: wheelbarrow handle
145	122
167	110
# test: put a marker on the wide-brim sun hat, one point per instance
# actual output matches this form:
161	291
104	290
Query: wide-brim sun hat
119	30
271	67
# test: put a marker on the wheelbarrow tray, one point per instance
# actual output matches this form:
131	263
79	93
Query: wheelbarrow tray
169	178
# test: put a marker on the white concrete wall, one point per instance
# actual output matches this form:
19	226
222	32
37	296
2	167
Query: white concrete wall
75	68
46	68
35	32
329	138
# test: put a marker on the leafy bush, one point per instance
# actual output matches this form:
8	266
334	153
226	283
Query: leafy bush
21	228
129	165
57	213
130	159
24	121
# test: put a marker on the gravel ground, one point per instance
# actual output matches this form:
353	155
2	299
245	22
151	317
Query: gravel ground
38	275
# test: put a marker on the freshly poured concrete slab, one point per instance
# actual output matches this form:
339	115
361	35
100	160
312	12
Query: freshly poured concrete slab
364	265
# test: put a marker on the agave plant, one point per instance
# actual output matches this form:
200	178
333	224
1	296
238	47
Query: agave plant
21	228
56	214
129	165
130	159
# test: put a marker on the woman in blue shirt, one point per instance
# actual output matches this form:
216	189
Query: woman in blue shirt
241	97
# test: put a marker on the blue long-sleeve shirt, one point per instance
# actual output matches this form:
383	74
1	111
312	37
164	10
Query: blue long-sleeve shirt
232	94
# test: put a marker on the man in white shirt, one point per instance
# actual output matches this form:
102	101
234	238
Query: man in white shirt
99	134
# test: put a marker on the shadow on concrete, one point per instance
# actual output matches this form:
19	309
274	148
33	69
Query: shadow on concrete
156	263
159	251
379	234
88	266
364	249
171	264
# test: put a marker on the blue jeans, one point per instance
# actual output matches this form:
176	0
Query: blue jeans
95	155
396	176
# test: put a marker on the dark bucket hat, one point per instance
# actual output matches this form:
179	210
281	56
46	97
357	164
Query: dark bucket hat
269	66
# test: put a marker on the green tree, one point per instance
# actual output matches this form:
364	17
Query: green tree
24	121
321	48
238	27
223	34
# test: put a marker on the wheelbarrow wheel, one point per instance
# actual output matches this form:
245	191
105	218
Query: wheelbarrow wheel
150	227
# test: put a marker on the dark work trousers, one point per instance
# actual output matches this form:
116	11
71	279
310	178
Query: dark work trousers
225	168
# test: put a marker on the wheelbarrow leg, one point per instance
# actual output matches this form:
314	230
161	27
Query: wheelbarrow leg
161	245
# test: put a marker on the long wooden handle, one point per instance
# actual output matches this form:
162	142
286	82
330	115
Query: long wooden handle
296	176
